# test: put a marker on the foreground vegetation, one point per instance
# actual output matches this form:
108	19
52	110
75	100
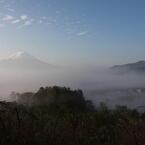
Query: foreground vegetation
66	124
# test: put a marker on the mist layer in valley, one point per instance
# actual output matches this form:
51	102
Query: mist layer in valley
119	85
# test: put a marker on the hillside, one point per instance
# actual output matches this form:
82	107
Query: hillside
138	67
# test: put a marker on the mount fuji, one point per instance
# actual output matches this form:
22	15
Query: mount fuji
23	61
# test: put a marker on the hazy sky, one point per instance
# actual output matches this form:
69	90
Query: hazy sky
96	32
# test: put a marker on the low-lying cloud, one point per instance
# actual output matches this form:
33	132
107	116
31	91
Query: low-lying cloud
99	85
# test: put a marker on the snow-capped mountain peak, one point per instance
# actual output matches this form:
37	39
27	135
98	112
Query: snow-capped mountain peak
23	61
20	55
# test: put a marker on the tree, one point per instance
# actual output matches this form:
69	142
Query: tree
61	97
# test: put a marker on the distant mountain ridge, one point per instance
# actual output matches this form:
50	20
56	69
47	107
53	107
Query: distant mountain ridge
137	67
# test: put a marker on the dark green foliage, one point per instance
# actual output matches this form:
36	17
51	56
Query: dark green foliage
38	125
55	97
89	106
61	116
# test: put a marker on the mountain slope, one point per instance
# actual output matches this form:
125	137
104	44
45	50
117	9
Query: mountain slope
23	61
138	67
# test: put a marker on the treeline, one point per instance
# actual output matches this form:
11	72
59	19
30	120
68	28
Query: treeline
40	123
56	98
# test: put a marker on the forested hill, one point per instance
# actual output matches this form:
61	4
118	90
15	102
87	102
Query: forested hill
55	97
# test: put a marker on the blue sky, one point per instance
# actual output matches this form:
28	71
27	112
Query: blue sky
82	32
